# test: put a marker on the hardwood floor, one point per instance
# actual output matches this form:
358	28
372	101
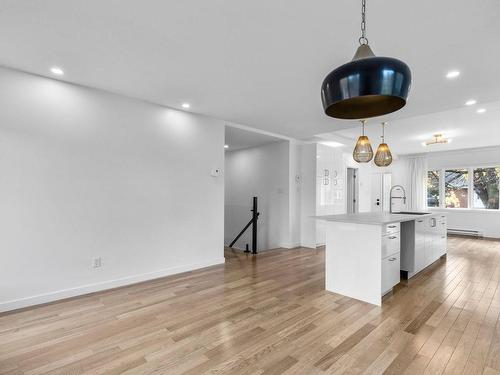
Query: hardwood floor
270	315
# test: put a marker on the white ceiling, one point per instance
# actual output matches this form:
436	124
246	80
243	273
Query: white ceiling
464	126
238	139
258	63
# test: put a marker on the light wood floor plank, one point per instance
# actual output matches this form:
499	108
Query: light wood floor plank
270	314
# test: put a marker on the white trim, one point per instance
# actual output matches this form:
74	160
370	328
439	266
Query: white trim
460	151
260	131
291	245
466	210
104	285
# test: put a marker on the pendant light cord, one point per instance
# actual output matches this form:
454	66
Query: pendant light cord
363	39
363	126
383	131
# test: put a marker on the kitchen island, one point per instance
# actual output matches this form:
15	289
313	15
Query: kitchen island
366	253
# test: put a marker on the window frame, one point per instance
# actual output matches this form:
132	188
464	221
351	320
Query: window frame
470	186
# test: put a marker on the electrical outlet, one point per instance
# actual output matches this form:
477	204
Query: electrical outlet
97	262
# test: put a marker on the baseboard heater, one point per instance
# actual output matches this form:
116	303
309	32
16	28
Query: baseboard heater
465	232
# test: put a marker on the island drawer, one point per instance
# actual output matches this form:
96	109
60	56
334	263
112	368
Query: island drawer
391	228
391	244
390	272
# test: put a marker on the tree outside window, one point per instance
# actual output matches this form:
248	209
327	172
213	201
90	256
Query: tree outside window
433	189
456	185
485	187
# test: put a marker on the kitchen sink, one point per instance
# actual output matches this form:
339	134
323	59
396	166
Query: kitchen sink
411	213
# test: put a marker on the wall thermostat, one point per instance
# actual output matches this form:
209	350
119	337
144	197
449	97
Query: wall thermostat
216	172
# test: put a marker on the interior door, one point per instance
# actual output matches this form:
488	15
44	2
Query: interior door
381	189
352	190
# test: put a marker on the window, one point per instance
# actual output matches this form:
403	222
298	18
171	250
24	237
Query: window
486	188
456	185
433	189
475	188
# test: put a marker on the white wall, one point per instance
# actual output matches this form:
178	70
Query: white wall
263	172
487	222
87	174
308	195
295	196
330	190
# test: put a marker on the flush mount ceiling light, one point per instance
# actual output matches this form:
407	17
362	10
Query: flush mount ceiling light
452	74
471	102
383	156
438	139
363	152
226	146
367	86
481	110
186	105
57	71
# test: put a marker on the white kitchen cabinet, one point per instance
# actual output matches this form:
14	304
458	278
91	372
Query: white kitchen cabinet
391	244
391	259
390	272
424	242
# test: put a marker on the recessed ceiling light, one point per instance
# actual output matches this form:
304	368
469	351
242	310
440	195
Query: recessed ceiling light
226	146
471	102
185	105
452	74
57	71
481	110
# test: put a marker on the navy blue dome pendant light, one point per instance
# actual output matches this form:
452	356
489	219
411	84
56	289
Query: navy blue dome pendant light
367	86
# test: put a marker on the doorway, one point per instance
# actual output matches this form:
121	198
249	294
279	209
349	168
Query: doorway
381	187
352	190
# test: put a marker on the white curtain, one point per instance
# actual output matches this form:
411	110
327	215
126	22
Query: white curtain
416	168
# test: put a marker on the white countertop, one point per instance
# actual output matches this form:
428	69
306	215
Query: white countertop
375	218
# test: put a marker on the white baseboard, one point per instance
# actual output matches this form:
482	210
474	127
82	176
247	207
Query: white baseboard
103	285
290	245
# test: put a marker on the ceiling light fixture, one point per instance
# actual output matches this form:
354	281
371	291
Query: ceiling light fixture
226	146
332	144
57	71
438	139
363	152
471	102
186	105
481	110
367	86
452	74
383	156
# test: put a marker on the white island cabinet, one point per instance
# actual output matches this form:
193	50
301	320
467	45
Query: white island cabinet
424	242
366	252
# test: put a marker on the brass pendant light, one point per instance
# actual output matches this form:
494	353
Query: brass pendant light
383	156
363	152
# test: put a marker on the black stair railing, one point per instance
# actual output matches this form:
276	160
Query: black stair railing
253	223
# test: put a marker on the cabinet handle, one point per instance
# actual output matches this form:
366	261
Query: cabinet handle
443	236
392	237
420	221
391	226
392	259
